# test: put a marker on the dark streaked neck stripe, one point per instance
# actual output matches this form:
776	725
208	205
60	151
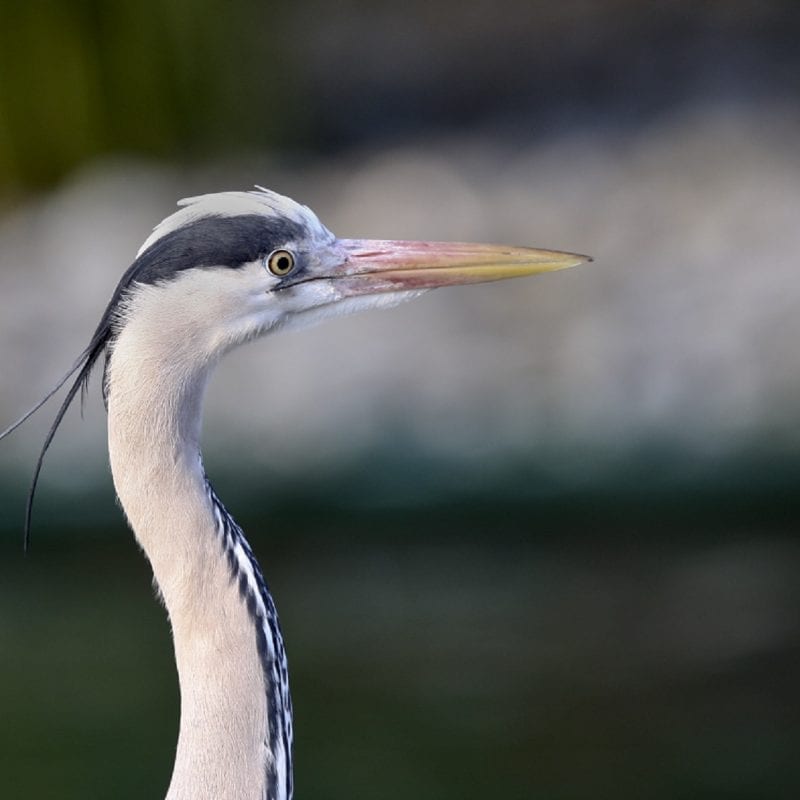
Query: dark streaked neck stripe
269	641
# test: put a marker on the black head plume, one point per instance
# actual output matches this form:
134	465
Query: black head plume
83	366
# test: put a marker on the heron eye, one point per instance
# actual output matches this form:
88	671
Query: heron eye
280	262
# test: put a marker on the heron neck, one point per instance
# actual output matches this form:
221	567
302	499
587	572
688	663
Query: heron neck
154	412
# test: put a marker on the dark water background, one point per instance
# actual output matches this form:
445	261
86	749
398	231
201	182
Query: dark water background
561	649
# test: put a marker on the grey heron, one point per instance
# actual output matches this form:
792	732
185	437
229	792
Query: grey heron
224	269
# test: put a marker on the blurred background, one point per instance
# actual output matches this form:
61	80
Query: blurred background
528	540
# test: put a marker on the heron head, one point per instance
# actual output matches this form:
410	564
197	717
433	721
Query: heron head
231	266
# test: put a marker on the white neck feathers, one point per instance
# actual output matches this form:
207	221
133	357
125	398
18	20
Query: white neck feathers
154	411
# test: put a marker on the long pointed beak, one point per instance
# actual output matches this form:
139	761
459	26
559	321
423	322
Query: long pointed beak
384	266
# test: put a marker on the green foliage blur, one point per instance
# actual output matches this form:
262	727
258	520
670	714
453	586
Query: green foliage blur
167	79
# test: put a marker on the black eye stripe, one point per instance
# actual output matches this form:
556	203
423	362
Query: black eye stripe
213	242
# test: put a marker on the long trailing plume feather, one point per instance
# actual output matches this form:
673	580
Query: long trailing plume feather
83	366
99	343
31	411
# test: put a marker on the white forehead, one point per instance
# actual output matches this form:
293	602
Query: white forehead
233	204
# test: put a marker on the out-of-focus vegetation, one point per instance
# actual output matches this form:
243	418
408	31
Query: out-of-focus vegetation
186	79
173	79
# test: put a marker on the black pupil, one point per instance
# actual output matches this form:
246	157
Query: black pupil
283	263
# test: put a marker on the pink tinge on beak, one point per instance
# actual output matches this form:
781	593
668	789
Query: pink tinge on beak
374	265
